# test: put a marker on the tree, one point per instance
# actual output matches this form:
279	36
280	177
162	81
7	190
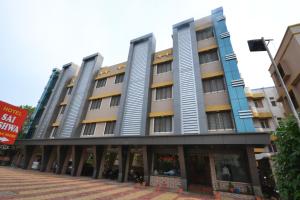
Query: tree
30	110
287	160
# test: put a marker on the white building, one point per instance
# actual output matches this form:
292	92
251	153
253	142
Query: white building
267	113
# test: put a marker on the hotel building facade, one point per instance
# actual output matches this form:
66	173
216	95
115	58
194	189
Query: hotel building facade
177	118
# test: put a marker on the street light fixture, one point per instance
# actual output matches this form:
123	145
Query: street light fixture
261	45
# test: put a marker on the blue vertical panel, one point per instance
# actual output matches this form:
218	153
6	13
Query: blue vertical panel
241	113
38	111
44	126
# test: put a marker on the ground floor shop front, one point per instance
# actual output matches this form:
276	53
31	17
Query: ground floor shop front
195	168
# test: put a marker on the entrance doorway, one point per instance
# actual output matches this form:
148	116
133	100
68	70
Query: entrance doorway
111	166
198	173
88	166
136	167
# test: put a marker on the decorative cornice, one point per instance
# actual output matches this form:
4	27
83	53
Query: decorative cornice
212	74
214	108
161	114
108	73
255	95
105	95
55	124
99	120
63	103
213	46
262	115
162	84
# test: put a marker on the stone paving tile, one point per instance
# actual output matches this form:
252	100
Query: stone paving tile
18	184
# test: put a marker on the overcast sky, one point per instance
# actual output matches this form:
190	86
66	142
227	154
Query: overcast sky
38	35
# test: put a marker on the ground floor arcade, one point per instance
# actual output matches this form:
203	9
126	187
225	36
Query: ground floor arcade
228	165
193	168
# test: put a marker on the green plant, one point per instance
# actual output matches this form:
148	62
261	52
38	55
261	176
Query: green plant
287	160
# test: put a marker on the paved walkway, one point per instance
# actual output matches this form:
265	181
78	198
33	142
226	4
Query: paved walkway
35	185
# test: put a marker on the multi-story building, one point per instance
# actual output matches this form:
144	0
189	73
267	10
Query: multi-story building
177	118
267	112
287	59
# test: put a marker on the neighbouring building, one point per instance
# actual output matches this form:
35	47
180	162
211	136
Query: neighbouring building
287	59
177	118
267	113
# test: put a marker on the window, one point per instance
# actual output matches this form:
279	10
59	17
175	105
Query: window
204	34
213	84
219	120
166	164
258	103
119	78
70	90
294	100
281	71
163	93
208	56
272	100
54	132
62	110
115	100
109	128
264	123
163	124
231	167
89	129
95	104
164	67
272	147
279	119
101	82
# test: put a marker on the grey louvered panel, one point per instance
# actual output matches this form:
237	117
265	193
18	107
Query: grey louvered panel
45	121
77	100
133	110
187	84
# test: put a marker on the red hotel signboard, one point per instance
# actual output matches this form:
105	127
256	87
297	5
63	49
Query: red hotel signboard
11	121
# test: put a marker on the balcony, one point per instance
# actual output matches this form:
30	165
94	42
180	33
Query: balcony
254	95
261	113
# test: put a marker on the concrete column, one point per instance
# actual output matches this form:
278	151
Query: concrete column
46	151
253	171
83	158
65	161
52	159
129	160
122	155
98	154
181	159
102	163
147	163
28	153
212	171
76	154
17	164
62	152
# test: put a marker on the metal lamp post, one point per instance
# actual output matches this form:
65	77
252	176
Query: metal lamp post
261	45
